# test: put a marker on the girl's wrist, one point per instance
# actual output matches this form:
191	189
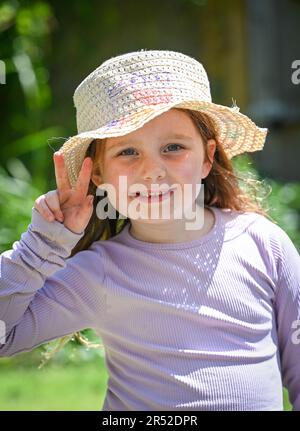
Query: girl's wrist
55	231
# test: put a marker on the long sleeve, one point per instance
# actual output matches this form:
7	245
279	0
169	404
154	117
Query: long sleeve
287	308
44	294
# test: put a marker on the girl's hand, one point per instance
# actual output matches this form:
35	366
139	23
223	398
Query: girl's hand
70	206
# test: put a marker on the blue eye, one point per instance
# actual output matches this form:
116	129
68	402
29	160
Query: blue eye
176	145
121	154
128	149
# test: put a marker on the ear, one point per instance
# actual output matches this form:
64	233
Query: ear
207	164
96	179
96	176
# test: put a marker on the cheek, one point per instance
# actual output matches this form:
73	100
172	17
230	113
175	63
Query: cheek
116	170
189	169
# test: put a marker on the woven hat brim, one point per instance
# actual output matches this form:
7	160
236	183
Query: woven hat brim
236	132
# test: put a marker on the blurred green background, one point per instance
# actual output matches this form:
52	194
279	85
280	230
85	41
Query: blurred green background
48	47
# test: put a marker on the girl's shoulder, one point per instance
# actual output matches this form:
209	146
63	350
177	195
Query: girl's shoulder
249	229
257	225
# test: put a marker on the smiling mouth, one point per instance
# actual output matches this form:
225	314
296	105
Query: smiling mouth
154	198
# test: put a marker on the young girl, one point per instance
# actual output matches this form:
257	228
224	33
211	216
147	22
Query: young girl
201	318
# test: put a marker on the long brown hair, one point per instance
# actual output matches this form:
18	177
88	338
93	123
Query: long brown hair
224	188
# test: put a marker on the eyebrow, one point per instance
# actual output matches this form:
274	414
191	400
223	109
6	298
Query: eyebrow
133	142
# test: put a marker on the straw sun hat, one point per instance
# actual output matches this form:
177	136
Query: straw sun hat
128	90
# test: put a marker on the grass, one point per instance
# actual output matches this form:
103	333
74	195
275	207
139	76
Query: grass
72	387
75	381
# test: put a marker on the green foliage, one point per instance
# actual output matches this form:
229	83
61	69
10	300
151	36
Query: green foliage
72	350
17	195
26	98
24	35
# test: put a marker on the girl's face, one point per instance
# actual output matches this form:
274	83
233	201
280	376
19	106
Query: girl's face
167	150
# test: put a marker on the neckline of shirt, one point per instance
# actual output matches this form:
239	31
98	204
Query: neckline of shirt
126	236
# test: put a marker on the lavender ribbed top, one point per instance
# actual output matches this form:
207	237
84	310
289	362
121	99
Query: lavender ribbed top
209	324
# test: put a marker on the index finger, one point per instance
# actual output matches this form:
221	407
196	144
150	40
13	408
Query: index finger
61	175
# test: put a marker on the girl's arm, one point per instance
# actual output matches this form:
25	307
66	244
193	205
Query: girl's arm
287	309
43	294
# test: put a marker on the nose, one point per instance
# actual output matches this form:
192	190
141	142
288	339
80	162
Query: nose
153	170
